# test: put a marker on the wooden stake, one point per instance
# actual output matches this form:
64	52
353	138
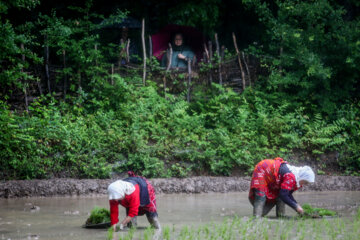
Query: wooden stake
169	57
218	54
144	48
239	60
127	51
247	68
169	54
206	54
210	51
217	45
150	48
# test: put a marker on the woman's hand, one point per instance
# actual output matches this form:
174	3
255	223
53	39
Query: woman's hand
117	227
181	56
299	209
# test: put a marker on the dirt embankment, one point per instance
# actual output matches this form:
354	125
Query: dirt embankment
88	187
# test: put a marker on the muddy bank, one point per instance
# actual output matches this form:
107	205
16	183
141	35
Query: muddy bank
84	187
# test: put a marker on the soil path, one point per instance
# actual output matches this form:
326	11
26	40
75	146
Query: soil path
88	187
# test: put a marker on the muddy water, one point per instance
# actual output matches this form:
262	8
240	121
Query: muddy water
61	218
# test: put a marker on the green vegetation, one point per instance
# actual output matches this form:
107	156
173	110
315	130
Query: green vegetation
317	212
245	228
90	123
98	215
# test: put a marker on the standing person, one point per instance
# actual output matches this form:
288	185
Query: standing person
137	195
181	53
273	183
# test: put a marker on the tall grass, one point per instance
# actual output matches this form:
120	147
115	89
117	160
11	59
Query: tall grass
248	228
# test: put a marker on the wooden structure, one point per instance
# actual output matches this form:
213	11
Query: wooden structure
237	71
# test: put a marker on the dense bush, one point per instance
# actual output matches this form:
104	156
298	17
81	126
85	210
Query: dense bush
308	101
160	137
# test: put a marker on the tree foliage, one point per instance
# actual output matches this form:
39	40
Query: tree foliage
306	102
314	52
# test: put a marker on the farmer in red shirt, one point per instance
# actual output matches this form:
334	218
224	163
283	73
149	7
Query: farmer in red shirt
137	195
273	183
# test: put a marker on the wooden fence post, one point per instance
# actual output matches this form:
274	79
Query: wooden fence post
247	68
144	48
239	60
169	54
127	51
150	49
218	54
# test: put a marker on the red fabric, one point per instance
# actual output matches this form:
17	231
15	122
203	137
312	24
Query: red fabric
288	182
193	38
266	178
151	207
114	211
131	201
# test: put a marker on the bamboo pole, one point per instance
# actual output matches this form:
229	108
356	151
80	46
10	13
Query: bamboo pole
239	60
65	75
144	48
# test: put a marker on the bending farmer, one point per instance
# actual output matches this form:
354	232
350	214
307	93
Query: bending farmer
137	195
273	183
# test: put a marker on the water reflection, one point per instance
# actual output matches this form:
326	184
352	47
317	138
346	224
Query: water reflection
62	218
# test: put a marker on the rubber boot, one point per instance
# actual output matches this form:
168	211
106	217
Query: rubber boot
280	208
154	222
132	223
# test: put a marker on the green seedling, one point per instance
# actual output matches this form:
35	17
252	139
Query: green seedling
317	212
98	215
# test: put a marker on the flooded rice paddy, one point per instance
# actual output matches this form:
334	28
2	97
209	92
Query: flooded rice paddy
195	216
